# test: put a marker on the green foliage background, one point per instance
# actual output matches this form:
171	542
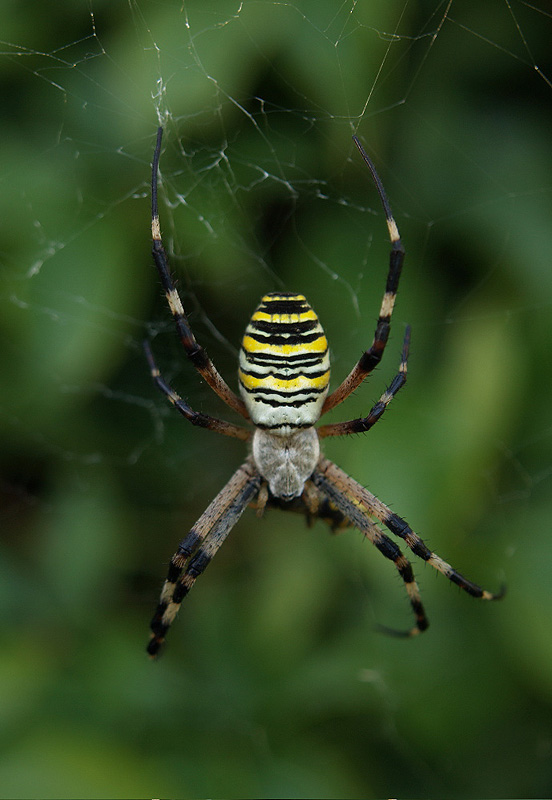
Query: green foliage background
274	682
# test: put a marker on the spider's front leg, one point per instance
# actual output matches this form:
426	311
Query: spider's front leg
200	545
347	496
346	492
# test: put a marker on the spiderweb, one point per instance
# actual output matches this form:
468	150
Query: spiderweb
262	190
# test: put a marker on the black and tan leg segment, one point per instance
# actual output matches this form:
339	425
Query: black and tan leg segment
198	548
371	357
353	508
363	424
333	481
195	417
194	351
399	527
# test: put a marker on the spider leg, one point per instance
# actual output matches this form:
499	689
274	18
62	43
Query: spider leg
371	358
351	506
195	417
194	351
200	545
336	484
364	423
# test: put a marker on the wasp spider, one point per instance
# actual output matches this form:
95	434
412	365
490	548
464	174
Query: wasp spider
284	374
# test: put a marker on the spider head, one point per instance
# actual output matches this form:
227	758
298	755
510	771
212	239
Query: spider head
286	462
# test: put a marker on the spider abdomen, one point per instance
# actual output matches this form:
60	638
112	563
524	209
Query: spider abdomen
284	368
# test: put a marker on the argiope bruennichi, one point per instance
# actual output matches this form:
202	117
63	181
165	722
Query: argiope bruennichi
284	375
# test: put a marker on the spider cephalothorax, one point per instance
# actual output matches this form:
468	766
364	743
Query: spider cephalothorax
284	374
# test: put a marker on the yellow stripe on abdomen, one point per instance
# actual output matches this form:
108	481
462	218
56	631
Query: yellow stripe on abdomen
284	364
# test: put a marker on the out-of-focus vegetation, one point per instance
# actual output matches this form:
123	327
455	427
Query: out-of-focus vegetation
274	682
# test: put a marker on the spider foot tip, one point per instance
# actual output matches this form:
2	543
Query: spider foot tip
153	647
498	595
409	634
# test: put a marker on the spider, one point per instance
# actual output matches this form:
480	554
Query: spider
284	373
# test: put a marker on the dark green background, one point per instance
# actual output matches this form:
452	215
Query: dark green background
274	682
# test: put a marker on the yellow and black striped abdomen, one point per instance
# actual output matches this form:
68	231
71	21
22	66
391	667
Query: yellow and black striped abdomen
284	364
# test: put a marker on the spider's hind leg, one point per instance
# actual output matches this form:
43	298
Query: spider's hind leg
194	351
